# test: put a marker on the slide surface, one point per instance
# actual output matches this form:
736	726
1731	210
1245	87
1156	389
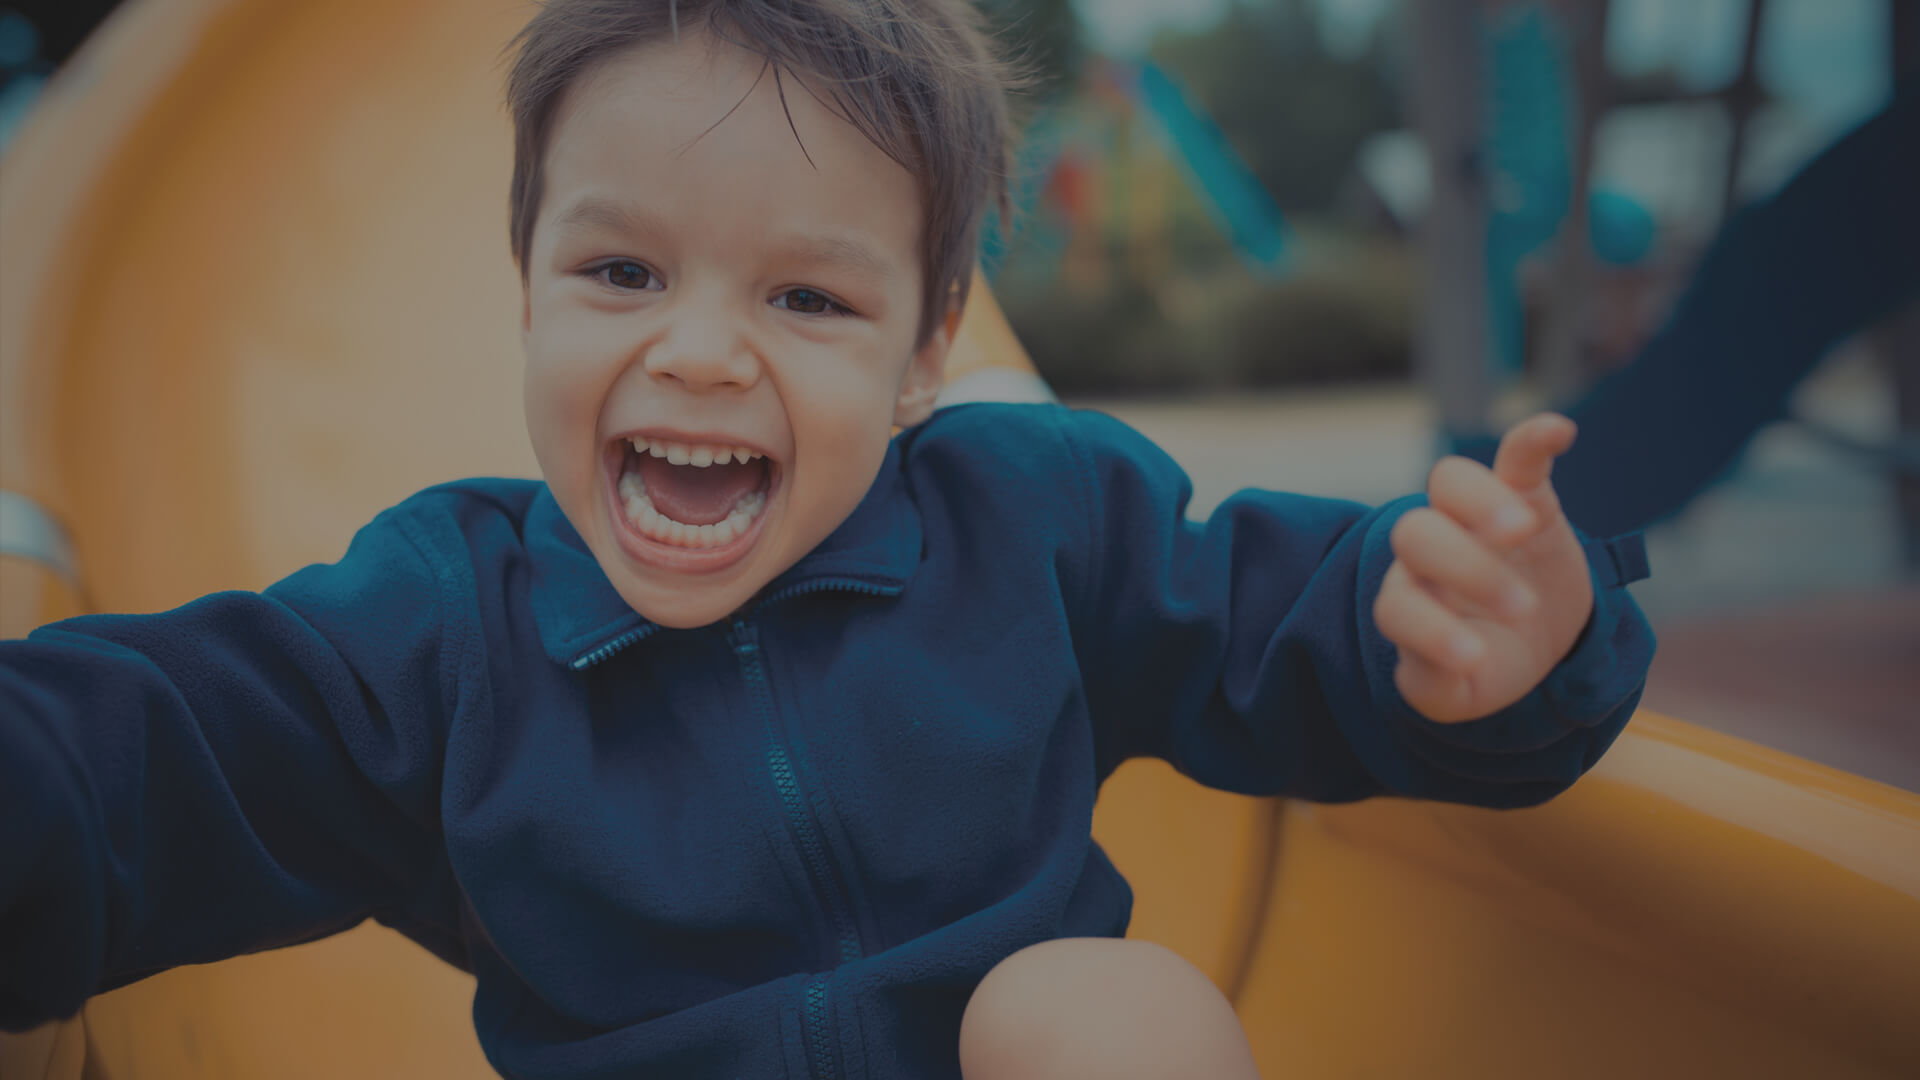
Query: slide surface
256	288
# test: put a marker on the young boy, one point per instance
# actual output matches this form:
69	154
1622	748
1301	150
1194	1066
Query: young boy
755	742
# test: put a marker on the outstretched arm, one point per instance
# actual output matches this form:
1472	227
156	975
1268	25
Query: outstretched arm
247	771
1246	649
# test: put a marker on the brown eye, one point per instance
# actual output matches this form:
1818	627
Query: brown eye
807	302
627	274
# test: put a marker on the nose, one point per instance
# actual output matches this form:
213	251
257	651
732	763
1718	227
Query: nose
704	350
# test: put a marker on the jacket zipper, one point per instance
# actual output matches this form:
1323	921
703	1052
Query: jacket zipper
817	1034
639	633
582	663
813	849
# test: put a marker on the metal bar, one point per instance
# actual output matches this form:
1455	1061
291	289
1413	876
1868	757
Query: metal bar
1743	98
1561	374
1450	349
28	531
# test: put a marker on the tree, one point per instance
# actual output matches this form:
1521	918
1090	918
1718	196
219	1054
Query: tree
1295	111
1041	37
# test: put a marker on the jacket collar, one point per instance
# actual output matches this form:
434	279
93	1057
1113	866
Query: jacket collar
581	619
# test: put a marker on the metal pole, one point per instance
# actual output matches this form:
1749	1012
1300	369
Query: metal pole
1450	350
1561	373
1899	338
1743	97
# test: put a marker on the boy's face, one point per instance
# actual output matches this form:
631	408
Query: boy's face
695	283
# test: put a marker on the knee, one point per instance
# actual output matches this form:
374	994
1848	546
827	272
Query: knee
1100	1007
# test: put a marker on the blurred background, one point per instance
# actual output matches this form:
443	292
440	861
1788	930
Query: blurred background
1231	231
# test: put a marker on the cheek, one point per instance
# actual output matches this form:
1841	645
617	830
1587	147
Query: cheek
563	389
842	417
841	396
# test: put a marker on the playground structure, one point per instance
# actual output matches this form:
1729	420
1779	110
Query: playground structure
1104	164
1508	100
256	290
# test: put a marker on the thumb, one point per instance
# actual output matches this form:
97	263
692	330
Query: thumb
1524	461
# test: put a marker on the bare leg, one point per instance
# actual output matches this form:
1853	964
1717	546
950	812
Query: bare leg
1084	1007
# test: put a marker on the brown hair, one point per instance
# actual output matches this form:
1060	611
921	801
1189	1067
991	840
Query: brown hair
914	76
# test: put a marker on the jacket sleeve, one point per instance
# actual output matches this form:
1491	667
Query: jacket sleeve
1243	651
247	771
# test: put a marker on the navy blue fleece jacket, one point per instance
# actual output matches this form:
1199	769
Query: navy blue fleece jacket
786	845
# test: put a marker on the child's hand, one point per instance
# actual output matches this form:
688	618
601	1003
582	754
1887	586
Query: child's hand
1489	587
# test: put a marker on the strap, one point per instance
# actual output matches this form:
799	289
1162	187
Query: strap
1619	560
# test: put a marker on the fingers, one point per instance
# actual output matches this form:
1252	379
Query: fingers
1456	592
1469	493
1439	551
1442	695
1420	625
1525	458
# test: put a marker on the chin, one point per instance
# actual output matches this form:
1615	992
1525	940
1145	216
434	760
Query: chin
683	612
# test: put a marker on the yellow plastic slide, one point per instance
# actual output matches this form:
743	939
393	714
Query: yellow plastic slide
254	288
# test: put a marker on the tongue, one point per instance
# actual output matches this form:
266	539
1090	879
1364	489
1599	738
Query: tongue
695	496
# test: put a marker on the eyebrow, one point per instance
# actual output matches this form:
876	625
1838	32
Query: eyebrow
845	253
595	212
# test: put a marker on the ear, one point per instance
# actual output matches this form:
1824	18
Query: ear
526	312
926	374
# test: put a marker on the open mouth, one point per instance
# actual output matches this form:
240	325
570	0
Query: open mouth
688	504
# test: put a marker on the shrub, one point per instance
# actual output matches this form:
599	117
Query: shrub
1346	317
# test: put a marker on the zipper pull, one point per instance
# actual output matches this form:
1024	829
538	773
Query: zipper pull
745	641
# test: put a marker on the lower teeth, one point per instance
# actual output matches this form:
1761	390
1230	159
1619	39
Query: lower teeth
655	525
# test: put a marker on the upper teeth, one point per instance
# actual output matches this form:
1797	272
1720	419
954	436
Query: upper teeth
697	456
